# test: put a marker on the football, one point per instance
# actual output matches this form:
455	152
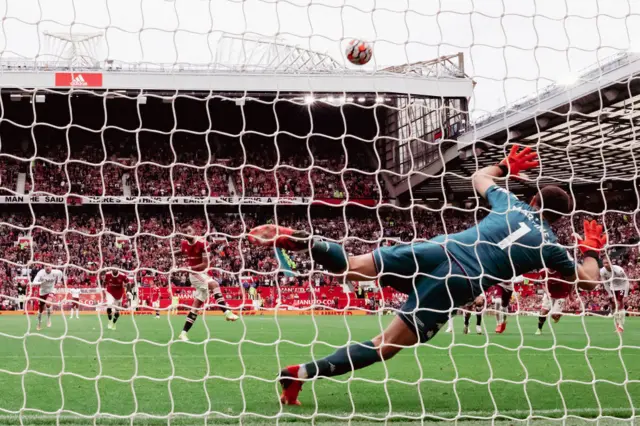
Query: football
359	52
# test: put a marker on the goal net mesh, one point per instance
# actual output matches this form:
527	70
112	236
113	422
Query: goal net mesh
95	180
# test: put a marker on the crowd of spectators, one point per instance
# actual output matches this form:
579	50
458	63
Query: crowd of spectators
88	239
110	162
9	170
253	167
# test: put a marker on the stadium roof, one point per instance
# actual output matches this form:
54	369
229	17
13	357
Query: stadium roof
242	64
585	133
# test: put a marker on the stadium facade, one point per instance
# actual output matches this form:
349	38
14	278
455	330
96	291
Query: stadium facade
414	109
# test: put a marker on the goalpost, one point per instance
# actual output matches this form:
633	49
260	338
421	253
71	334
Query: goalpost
124	122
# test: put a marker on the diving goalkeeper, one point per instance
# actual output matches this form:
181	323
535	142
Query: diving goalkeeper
447	271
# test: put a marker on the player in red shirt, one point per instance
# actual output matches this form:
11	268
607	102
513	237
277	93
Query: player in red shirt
501	301
114	282
155	299
197	256
556	292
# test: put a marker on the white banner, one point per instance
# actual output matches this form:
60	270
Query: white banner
85	290
74	199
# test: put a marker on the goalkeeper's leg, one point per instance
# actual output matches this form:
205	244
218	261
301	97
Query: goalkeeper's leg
397	336
403	261
424	313
330	255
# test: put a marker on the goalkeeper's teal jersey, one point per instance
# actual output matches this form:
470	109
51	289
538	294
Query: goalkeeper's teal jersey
510	241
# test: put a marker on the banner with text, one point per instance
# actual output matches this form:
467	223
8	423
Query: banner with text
74	199
80	200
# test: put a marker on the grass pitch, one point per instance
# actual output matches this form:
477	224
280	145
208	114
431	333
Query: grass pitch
78	369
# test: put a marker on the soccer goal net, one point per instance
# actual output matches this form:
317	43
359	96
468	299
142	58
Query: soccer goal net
213	210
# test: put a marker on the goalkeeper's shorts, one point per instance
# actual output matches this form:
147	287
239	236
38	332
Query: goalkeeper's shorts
431	297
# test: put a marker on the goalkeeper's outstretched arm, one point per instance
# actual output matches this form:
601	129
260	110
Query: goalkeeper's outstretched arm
483	179
515	162
588	274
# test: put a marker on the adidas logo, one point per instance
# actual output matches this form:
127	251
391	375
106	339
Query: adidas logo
78	81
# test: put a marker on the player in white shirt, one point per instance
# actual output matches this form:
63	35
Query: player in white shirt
47	279
75	301
617	285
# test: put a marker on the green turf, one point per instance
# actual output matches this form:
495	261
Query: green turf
79	368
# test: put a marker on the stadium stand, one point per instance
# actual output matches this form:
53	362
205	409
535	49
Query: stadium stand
142	246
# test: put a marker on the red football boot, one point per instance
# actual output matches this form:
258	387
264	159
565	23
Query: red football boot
500	328
285	238
291	386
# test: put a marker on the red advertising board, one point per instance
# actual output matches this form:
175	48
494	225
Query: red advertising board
78	79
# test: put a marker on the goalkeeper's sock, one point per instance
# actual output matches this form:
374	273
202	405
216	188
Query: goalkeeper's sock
109	311
478	319
191	318
341	361
48	314
219	298
541	321
467	317
330	255
40	318
116	315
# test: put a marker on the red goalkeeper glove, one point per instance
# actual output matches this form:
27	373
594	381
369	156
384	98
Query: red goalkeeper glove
519	161
594	239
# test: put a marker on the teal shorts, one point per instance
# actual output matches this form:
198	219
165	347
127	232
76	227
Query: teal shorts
434	281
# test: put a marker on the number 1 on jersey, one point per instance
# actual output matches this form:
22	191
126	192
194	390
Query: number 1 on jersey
514	236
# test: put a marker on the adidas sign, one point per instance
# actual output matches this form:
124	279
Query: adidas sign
78	81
